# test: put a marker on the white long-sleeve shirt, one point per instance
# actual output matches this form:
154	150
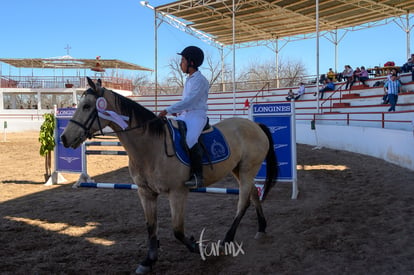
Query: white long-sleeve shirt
301	90
195	95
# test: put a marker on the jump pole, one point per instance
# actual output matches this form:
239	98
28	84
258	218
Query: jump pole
214	190
86	181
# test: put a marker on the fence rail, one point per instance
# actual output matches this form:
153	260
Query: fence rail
400	120
53	82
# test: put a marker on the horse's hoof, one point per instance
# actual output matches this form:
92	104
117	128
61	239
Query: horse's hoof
142	269
259	235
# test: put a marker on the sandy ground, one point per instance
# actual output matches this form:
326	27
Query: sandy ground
354	215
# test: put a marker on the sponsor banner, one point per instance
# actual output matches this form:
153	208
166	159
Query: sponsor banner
65	112
66	159
278	117
281	108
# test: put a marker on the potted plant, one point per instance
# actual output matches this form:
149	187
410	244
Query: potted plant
47	142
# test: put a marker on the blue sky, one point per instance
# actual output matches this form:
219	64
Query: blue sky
124	30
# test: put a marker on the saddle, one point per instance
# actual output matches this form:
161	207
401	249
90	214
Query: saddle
215	147
181	126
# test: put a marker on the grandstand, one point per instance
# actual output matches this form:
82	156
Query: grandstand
354	119
360	106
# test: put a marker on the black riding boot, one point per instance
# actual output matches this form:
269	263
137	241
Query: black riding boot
196	178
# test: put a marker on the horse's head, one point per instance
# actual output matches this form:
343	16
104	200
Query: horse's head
85	121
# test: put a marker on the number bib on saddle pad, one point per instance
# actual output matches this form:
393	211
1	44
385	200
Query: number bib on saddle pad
213	142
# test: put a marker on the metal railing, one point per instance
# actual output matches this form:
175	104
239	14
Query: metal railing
401	120
55	82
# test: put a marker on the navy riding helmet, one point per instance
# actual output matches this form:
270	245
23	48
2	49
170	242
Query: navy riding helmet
193	54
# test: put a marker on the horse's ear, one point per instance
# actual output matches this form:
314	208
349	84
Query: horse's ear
99	82
91	84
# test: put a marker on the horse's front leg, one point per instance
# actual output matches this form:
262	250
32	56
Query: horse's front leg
149	204
178	199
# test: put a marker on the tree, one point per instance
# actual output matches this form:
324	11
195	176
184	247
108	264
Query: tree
141	84
292	73
256	74
211	69
176	75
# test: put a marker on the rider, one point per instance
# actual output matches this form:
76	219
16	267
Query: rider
192	109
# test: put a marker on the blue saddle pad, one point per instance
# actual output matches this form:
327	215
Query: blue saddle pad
214	143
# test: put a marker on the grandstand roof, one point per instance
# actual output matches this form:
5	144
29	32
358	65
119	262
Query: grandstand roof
257	20
68	62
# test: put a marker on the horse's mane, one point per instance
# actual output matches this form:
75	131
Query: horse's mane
135	111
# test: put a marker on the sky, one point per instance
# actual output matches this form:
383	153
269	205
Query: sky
124	30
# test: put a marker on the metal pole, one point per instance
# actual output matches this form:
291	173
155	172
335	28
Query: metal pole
277	63
336	50
156	59
223	85
408	31
234	56
317	55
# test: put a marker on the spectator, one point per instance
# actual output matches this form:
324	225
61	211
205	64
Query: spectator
385	98
361	75
394	72
329	86
290	96
301	91
348	75
322	79
393	88
331	75
412	70
355	77
408	66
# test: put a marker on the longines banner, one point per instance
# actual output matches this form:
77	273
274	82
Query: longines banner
280	118
66	159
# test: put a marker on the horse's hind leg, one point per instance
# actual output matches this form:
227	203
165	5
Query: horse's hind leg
242	205
149	204
254	196
178	199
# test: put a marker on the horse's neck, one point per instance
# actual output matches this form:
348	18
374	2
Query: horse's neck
134	138
138	142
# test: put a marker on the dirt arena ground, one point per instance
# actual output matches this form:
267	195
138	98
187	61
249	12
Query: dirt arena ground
354	215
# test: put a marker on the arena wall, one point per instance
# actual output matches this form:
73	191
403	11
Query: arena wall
394	146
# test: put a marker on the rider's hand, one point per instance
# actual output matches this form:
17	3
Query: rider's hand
163	113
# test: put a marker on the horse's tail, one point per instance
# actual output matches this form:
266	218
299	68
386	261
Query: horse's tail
271	163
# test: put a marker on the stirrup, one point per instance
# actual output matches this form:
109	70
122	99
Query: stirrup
194	182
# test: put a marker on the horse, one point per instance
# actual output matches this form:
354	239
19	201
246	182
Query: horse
155	170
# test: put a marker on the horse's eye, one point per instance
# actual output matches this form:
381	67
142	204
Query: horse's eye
86	107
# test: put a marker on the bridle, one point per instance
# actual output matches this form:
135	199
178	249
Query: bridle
95	116
91	119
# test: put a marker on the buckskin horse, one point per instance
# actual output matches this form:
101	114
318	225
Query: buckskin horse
147	141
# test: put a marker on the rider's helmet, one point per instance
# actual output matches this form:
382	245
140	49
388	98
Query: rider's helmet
193	54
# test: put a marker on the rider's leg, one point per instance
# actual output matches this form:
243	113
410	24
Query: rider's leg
196	179
195	122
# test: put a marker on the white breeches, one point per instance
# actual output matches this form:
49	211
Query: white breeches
195	121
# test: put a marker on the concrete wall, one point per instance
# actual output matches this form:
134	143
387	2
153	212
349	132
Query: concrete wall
395	146
16	126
